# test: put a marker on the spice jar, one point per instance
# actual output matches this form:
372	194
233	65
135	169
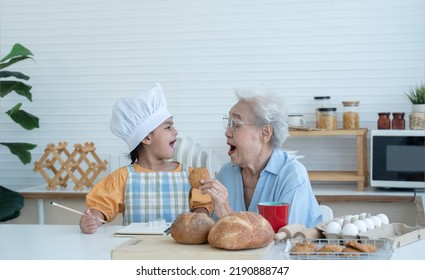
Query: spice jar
350	116
384	121
398	121
327	118
321	102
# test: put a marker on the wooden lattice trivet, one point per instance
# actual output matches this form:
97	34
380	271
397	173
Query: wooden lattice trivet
58	165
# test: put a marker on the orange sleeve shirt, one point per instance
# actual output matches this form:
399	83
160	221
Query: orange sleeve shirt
107	196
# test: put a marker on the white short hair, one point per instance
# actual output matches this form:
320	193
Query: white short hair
267	108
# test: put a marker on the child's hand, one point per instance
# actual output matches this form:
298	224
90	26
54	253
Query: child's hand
89	223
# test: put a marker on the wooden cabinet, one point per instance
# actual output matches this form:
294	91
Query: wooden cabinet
360	175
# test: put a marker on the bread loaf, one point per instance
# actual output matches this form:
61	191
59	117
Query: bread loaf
241	230
196	175
191	228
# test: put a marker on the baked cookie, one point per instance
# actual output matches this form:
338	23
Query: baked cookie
196	175
331	248
304	247
350	252
365	248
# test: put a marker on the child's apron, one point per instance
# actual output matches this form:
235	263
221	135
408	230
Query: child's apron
155	195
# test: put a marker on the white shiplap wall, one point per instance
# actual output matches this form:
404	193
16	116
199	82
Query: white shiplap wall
90	52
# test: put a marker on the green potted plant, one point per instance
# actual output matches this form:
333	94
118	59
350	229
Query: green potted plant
416	96
13	82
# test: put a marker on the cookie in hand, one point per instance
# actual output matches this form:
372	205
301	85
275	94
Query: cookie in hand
196	175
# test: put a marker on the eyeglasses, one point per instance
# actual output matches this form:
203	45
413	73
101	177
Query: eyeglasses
229	122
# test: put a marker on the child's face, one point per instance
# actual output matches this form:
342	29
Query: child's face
163	139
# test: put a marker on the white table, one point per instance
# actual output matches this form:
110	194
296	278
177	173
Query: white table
66	242
56	242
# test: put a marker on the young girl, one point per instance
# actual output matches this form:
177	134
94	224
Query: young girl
151	187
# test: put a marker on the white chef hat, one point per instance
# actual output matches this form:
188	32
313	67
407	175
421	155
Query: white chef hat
133	118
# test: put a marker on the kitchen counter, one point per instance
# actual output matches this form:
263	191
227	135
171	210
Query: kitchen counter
400	205
66	242
346	194
323	194
41	192
340	198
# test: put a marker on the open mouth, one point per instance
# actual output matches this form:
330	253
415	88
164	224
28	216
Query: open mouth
172	143
232	149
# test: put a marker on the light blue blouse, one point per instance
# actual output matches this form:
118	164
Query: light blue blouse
283	179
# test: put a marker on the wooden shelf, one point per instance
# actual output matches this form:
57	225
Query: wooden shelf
332	176
360	175
337	132
364	198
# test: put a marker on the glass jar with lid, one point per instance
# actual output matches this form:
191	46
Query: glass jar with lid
350	115
327	118
320	102
398	121
384	120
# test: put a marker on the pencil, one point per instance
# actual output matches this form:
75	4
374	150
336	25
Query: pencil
72	210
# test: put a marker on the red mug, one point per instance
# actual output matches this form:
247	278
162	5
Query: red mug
276	213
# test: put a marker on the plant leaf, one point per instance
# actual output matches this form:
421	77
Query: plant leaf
13	61
21	150
416	95
18	75
25	119
19	87
17	50
21	117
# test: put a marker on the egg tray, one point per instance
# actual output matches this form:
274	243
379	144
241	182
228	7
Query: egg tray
322	228
384	252
397	234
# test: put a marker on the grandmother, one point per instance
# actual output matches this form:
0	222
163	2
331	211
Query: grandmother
259	171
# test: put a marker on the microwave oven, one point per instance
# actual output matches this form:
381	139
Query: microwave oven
397	159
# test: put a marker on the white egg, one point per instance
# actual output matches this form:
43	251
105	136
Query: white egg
362	216
348	218
333	227
384	219
369	223
340	221
350	229
376	221
361	225
355	217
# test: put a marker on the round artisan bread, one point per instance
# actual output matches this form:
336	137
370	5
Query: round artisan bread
196	175
191	228
241	230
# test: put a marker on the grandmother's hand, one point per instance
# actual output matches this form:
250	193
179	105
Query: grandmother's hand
219	195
